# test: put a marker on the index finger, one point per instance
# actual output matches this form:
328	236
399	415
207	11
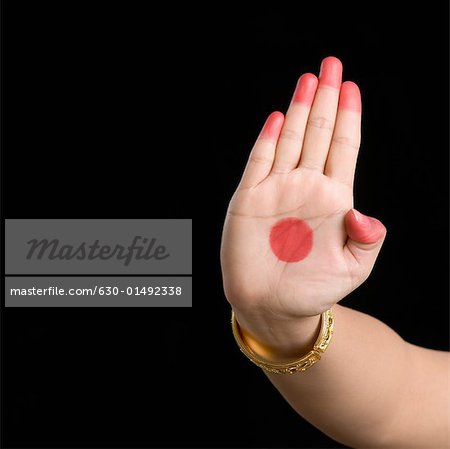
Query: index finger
341	161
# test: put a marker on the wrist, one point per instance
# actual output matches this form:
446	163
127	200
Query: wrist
278	339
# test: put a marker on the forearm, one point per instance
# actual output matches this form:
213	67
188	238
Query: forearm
354	393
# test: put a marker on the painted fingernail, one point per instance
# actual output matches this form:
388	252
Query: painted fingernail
273	125
360	218
365	220
331	72
350	97
365	229
306	89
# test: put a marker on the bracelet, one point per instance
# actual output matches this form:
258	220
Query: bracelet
302	364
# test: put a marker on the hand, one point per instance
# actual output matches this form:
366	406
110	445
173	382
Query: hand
292	244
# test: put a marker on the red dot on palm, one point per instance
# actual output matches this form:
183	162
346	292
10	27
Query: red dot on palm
291	239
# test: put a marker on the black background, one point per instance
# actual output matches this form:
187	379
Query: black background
105	115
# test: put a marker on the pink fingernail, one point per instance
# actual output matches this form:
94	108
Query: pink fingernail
360	218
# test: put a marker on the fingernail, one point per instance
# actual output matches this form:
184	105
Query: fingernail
305	90
360	218
331	72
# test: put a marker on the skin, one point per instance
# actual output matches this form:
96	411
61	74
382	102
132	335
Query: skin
301	168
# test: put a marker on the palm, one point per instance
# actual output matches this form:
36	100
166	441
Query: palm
308	195
301	167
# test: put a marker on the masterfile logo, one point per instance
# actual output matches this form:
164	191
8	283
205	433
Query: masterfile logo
141	248
98	263
98	246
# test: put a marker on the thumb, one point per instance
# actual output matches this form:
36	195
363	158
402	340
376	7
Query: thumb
365	238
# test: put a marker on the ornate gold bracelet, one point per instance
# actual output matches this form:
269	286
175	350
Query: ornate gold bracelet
302	364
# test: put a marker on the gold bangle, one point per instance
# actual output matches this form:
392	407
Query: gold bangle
302	364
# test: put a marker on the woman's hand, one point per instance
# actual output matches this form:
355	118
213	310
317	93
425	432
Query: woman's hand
292	244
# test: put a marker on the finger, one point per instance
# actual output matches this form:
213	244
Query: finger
365	238
291	138
341	162
261	157
323	116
